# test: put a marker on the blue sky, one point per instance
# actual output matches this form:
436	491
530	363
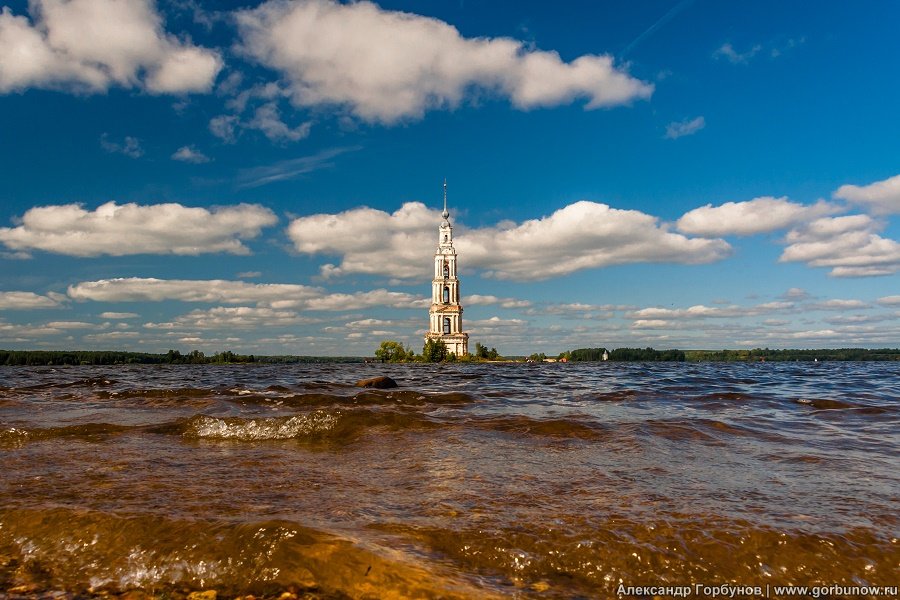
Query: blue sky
266	177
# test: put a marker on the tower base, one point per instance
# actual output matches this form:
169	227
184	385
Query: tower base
457	343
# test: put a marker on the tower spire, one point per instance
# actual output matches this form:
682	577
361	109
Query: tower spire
446	213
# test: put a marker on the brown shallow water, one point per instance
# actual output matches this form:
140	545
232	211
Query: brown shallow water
468	481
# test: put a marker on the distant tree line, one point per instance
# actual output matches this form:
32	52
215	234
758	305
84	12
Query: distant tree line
623	355
759	354
172	357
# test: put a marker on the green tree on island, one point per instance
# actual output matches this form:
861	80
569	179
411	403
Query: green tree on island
482	352
434	351
392	351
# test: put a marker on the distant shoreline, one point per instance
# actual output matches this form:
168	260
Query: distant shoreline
115	357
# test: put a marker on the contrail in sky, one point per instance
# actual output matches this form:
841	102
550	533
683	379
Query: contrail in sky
652	29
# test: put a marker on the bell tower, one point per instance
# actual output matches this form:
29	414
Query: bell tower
445	313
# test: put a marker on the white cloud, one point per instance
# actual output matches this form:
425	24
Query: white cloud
359	300
91	45
889	301
119	230
140	289
650	324
837	304
191	155
848	245
580	236
677	129
728	52
130	146
370	240
760	215
581	310
495	326
701	311
11	332
224	127
25	301
881	197
118	315
265	295
234	317
112	336
72	325
386	65
796	293
486	300
368	323
268	120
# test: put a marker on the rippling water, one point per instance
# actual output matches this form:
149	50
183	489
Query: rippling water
468	481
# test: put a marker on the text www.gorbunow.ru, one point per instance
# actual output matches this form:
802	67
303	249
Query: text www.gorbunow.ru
756	591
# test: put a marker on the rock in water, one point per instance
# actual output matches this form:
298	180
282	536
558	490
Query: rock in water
380	382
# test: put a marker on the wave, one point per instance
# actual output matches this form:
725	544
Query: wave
17	436
336	425
92	552
581	557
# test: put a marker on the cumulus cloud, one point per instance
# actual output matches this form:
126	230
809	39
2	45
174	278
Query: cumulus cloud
889	301
837	304
651	324
701	311
25	301
12	332
726	51
580	236
92	45
881	197
796	293
849	245
234	317
677	129
371	241
495	325
760	215
268	120
386	65
279	296
71	325
112	336
130	146
148	289
225	127
190	154
119	230
487	300
118	315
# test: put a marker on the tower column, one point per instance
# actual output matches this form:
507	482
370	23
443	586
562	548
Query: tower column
445	314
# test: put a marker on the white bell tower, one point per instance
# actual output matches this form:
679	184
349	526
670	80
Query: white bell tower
445	313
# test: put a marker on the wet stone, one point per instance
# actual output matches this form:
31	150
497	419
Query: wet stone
381	382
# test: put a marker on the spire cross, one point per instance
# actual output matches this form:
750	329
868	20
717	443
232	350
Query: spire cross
445	194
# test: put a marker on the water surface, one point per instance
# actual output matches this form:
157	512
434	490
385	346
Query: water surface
467	481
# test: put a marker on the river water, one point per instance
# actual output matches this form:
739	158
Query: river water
467	481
